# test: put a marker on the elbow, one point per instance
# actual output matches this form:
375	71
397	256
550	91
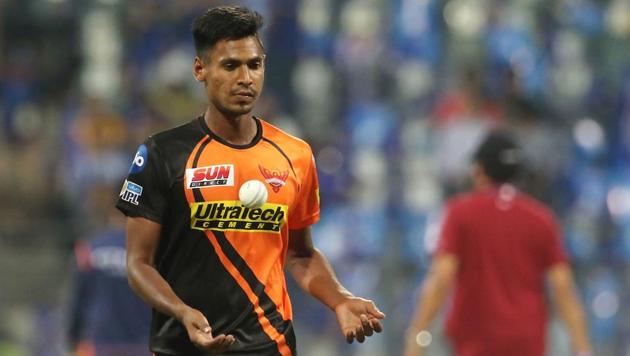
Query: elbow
437	284
292	261
298	261
293	255
133	273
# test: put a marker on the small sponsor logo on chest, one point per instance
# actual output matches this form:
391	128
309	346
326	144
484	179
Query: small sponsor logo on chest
211	176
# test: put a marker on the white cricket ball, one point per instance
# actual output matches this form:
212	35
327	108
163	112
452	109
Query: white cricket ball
253	194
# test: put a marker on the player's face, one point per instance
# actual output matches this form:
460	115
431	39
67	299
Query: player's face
234	72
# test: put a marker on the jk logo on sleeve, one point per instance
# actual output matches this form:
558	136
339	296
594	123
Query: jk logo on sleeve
139	160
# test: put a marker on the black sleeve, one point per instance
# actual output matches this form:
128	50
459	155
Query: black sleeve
144	192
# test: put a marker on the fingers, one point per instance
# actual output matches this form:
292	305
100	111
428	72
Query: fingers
370	325
376	325
355	333
367	326
374	311
349	336
204	329
359	319
215	344
360	334
222	343
200	333
201	324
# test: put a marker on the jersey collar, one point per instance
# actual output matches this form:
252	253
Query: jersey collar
255	140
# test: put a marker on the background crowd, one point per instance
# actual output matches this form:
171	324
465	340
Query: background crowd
391	94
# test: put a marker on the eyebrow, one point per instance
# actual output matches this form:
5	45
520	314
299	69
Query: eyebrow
233	59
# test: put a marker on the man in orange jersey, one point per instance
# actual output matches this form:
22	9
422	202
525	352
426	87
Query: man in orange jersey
497	246
211	268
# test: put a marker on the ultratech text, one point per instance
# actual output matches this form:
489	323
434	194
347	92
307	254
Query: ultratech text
231	215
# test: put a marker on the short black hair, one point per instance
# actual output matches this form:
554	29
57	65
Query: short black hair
500	156
224	23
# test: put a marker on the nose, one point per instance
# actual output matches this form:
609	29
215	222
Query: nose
244	76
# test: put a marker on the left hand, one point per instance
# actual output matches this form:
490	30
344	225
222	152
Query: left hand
358	318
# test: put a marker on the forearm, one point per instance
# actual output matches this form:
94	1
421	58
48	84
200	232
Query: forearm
572	313
145	280
314	275
569	307
430	301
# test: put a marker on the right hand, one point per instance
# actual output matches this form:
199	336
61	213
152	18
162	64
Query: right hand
358	318
200	333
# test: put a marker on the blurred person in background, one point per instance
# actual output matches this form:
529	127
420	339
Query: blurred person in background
106	318
461	117
496	248
211	268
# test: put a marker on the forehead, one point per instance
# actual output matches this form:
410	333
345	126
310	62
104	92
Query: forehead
241	49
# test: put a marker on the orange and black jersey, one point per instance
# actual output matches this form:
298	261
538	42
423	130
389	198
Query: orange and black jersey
220	257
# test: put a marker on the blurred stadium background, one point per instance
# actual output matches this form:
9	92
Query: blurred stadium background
392	96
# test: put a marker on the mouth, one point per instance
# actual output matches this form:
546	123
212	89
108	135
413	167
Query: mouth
244	94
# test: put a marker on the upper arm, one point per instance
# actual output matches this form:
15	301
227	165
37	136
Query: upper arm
444	268
451	234
305	209
553	250
143	237
560	280
300	243
143	199
145	191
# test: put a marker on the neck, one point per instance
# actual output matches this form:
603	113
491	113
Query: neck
489	184
237	130
482	182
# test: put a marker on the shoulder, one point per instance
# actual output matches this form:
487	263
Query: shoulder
462	201
466	205
293	146
173	146
537	208
188	132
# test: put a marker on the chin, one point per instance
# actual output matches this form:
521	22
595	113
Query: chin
244	108
239	110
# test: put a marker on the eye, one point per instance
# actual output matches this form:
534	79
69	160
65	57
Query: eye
256	64
230	66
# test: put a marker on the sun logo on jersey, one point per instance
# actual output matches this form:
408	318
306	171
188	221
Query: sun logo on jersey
276	179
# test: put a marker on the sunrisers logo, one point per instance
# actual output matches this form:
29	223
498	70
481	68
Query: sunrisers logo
230	215
211	176
277	179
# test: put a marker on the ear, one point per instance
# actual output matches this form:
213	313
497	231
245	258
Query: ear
476	170
479	176
199	70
